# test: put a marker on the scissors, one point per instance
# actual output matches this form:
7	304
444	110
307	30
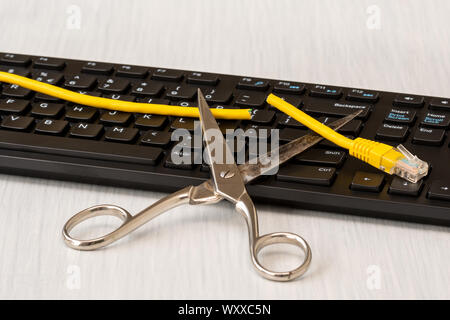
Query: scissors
227	182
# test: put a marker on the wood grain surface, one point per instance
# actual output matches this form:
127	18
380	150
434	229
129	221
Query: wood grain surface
202	252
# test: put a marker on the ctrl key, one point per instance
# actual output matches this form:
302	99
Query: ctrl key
439	190
323	176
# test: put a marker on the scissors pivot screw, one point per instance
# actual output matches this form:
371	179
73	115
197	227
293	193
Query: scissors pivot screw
226	174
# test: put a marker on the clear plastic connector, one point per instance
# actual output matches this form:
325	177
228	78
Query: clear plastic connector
410	167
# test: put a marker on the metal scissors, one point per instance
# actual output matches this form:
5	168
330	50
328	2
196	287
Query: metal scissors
227	182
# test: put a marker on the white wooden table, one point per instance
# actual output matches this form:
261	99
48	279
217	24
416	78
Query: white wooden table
202	252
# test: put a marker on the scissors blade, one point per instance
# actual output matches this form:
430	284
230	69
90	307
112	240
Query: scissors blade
227	180
204	192
250	171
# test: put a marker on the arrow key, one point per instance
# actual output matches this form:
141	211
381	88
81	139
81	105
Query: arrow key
408	100
366	181
403	187
439	190
156	138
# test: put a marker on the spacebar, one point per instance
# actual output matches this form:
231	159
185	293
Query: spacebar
89	149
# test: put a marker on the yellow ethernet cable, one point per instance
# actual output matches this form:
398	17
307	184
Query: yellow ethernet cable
398	161
119	105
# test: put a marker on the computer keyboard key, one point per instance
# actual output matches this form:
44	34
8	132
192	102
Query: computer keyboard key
326	120
440	104
50	126
167	75
118	96
323	176
296	101
156	138
325	91
362	95
408	100
43	97
397	115
49	63
46	110
114	117
227	125
324	157
181	158
50	77
288	87
253	131
146	121
392	132
17	122
12	59
366	181
147	88
330	145
429	136
262	116
252	100
221	106
16	70
217	96
86	130
80	113
80	82
15	91
335	108
90	93
181	93
121	134
351	128
183	123
154	100
202	78
436	119
289	134
97	68
247	83
13	106
188	140
439	190
184	103
131	71
403	187
283	120
114	85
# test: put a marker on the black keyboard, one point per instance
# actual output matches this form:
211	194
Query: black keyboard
42	136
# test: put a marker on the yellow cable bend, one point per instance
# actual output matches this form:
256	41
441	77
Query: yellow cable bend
118	105
310	122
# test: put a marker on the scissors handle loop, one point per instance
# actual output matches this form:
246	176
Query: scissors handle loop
278	238
246	207
129	223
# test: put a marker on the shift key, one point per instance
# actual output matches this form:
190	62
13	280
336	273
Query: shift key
324	157
336	108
